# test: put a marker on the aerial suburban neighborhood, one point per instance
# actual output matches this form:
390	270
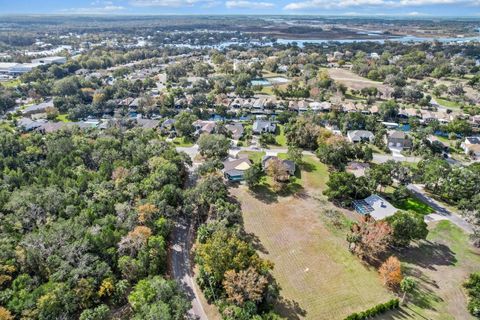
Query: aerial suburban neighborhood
237	164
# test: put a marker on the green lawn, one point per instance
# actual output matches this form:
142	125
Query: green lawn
280	139
440	266
413	204
254	156
448	103
63	118
314	174
183	142
11	83
310	174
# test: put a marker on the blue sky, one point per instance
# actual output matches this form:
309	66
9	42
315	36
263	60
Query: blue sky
428	8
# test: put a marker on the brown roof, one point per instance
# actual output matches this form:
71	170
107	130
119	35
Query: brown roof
232	164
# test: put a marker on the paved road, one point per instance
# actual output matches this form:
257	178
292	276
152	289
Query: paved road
440	209
181	267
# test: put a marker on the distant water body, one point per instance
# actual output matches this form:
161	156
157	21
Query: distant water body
405	39
303	42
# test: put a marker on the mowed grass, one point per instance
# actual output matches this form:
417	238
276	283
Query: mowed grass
63	118
414	204
280	139
411	203
11	83
440	266
314	175
254	156
183	142
448	103
319	277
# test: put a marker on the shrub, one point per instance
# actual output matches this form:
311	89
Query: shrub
473	288
374	311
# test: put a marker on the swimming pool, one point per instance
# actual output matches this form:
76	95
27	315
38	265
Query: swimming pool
269	81
260	82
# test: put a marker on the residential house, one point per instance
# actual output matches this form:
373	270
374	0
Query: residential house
399	140
428	117
320	106
409	113
236	129
434	140
360	136
349	107
148	123
357	168
290	166
37	108
471	146
333	128
27	124
375	206
234	170
302	106
263	126
203	126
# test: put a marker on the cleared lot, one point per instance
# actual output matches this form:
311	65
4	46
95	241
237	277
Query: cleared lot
319	277
355	82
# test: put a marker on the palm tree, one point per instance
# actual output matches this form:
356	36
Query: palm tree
407	285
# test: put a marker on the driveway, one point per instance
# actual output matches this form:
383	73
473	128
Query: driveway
381	158
441	212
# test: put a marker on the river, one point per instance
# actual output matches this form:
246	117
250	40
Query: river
303	42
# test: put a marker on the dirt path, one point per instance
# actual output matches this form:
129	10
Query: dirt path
181	268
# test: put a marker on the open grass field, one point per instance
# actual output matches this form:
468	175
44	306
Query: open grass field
319	277
354	81
440	265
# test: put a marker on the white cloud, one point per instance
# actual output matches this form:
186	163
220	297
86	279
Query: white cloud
95	10
328	4
428	2
239	4
170	3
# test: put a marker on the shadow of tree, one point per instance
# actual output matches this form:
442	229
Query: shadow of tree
290	309
264	193
308	167
403	312
428	254
424	295
256	242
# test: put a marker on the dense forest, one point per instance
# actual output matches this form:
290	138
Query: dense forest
85	219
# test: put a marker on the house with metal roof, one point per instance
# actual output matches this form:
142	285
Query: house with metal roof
375	206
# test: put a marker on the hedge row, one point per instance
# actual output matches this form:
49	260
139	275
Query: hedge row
372	312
